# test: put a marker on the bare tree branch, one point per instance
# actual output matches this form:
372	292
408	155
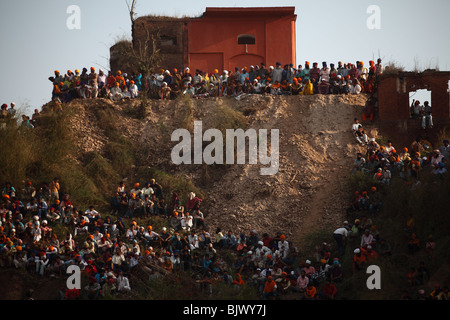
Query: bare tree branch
131	7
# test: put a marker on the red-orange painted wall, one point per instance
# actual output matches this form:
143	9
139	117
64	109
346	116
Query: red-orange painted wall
213	38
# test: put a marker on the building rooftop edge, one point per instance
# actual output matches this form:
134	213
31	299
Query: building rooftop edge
213	11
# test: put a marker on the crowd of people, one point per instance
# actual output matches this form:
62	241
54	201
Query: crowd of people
381	163
108	248
384	161
343	78
8	114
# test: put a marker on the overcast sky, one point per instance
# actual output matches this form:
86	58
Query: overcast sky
36	40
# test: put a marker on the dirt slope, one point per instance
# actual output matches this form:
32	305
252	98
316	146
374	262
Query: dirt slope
316	155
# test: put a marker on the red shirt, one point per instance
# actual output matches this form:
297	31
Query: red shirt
329	289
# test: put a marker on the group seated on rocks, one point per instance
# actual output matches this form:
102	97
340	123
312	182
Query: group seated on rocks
384	161
108	248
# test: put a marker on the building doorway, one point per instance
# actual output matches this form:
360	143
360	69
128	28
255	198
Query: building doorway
419	96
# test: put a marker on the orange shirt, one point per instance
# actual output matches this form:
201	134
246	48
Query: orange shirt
372	255
311	291
120	80
359	259
238	280
269	286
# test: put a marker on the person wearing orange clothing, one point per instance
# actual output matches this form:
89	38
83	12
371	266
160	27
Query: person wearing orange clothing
296	86
238	280
310	292
369	108
275	88
270	288
371	255
57	90
359	260
110	81
329	291
120	79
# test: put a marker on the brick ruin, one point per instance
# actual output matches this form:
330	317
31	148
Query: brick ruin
394	120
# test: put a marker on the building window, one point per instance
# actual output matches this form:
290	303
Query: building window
246	39
167	41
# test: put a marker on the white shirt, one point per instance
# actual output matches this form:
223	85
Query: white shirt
91	213
98	237
193	241
265	271
116	91
123	283
387	174
134	91
148	191
262	249
134	261
186	222
355	126
355	89
389	149
283	245
101	78
257	87
366	240
324	75
341	231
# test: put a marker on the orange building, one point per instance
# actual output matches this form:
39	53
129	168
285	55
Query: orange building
225	38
